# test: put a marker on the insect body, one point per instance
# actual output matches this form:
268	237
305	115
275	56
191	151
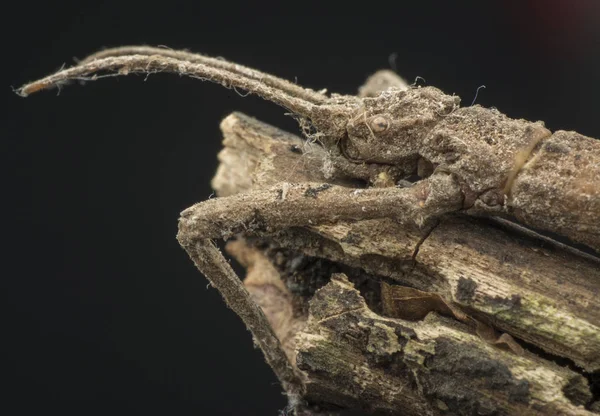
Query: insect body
469	158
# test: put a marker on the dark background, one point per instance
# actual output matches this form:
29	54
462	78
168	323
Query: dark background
105	310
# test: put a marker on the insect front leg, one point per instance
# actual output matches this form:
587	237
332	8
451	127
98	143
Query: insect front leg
287	205
211	263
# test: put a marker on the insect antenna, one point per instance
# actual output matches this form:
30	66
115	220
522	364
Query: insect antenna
221	72
184	55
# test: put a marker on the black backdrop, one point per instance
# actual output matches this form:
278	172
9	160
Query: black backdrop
105	311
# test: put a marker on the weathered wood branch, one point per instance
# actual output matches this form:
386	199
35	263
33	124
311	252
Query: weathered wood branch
538	292
353	358
352	355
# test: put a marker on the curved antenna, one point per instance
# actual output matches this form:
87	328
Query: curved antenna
148	64
267	79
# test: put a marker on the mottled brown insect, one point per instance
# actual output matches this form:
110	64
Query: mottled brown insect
395	151
469	158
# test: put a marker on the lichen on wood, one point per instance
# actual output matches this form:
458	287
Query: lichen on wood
352	355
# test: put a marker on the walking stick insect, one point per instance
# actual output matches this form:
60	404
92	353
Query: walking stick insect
468	159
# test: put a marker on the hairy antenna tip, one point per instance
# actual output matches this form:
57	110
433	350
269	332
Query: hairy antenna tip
31	88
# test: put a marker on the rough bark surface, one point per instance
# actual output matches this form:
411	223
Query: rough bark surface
351	352
353	356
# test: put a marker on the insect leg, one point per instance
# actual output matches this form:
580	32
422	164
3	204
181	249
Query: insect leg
287	205
211	263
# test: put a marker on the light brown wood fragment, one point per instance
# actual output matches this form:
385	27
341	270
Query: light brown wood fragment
381	81
269	292
414	305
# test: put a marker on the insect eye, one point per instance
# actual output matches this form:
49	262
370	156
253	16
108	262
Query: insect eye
379	124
